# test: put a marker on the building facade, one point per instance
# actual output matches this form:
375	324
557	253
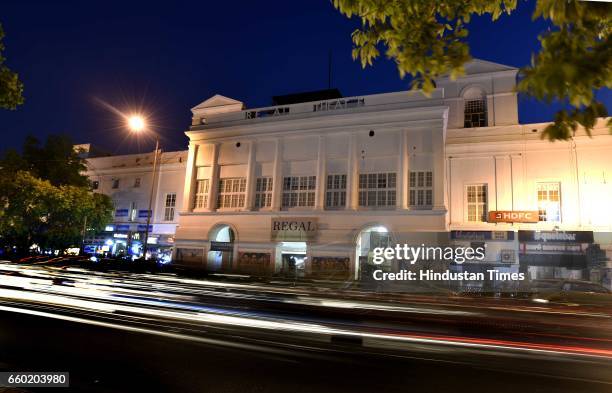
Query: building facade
308	189
128	180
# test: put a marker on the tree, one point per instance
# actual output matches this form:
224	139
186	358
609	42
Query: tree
36	212
56	161
427	39
11	88
45	199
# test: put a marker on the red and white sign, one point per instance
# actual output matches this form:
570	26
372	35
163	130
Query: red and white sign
514	216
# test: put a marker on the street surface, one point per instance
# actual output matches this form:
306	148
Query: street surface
121	331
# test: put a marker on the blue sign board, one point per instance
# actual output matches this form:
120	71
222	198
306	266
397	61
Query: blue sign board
143	213
122	227
143	227
121	212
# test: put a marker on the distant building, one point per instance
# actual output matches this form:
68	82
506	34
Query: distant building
127	180
310	186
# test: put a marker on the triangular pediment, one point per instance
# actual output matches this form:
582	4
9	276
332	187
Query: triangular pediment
217	102
479	66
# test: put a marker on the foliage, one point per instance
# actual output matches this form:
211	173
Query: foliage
45	199
56	161
11	88
427	39
36	212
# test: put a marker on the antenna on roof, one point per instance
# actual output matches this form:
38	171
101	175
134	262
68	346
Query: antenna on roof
329	69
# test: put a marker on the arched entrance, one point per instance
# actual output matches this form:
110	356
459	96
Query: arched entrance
221	252
368	239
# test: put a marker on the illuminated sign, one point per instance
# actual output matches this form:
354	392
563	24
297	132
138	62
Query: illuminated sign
526	216
293	228
556	236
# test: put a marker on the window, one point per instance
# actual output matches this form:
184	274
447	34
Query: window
169	207
477	203
115	183
263	192
95	185
421	189
377	189
137	182
201	194
133	212
549	201
335	196
298	191
475	112
232	192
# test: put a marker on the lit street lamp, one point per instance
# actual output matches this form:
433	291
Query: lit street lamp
137	124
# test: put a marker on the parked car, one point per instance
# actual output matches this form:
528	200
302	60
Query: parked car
569	291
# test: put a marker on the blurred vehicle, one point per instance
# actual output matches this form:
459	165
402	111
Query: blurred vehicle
570	291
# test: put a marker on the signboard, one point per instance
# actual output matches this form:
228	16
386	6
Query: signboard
526	216
556	236
221	246
121	213
482	235
143	228
291	229
143	213
122	227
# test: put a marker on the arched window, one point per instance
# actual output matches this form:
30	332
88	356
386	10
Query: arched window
475	108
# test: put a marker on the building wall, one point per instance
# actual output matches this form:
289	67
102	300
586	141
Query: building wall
134	174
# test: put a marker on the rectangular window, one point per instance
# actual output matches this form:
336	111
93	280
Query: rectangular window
549	201
421	189
201	194
335	196
477	202
95	185
377	189
475	113
169	207
263	192
299	191
232	192
137	182
115	183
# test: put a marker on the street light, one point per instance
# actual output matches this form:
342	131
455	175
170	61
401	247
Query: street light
137	124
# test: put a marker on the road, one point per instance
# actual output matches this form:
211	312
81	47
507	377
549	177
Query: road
119	331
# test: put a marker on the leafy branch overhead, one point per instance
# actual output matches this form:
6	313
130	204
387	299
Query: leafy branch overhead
427	39
11	88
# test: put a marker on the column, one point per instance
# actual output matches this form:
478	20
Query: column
251	179
402	171
438	168
277	182
214	178
352	175
321	174
190	174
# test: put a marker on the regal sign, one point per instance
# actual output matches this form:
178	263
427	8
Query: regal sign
514	216
293	229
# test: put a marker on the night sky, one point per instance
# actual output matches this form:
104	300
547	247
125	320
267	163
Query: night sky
166	57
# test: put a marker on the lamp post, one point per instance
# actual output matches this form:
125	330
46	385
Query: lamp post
137	124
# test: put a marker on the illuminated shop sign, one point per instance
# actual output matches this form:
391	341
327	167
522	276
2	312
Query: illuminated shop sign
556	236
121	213
122	227
143	213
293	228
482	235
143	227
525	216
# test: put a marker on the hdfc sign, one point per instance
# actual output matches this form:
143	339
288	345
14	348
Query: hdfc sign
514	216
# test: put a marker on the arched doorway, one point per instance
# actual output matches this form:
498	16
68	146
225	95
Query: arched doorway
368	239
221	252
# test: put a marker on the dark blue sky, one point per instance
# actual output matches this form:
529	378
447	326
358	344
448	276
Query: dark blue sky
167	57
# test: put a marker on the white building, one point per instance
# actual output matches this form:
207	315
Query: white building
127	180
310	188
